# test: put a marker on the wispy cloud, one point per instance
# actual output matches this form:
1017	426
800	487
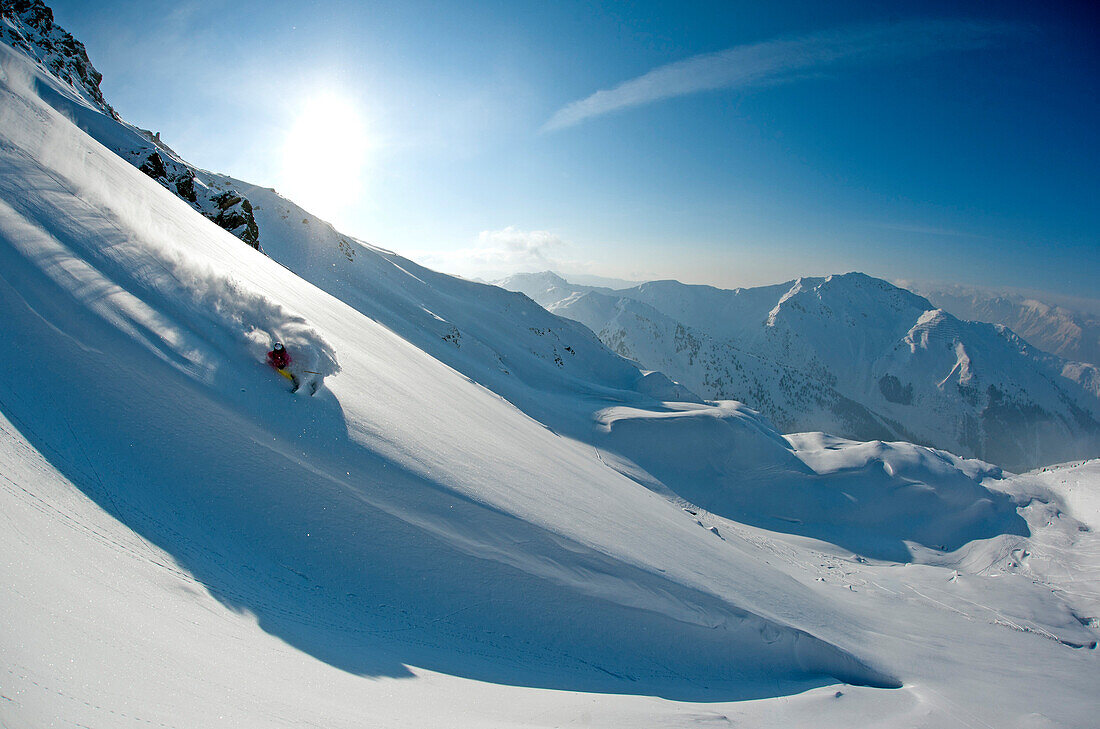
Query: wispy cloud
515	245
502	252
928	230
784	59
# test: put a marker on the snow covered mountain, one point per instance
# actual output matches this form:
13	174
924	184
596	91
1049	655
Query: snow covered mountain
851	355
1061	330
483	518
28	26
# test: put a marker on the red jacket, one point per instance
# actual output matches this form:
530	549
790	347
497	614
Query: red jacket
278	359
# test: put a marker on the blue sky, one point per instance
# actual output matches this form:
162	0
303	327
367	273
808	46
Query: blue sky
727	143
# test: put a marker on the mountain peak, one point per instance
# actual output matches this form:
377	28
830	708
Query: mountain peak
841	295
28	25
853	354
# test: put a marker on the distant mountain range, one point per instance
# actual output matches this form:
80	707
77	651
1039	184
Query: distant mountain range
1062	330
851	355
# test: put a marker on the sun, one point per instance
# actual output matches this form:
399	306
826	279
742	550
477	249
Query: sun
324	155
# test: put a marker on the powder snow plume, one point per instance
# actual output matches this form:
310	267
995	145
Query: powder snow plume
123	254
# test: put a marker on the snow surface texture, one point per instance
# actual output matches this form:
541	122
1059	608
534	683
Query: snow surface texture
850	355
485	519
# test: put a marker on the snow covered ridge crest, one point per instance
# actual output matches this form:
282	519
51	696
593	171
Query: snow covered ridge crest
28	27
1069	330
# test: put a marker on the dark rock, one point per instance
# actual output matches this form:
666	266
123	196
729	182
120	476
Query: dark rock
154	167
891	389
185	187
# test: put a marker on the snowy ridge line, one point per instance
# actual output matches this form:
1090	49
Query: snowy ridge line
1066	327
29	29
28	26
132	260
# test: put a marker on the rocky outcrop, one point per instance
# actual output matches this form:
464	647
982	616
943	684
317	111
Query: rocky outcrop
220	203
235	215
31	29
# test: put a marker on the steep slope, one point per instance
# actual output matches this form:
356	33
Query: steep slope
28	26
498	338
432	310
851	355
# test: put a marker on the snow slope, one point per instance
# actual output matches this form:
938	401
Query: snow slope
456	529
850	355
457	321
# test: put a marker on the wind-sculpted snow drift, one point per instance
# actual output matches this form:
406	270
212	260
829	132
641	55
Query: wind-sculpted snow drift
873	498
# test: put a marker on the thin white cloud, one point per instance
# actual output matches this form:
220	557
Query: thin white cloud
514	244
499	253
785	59
928	230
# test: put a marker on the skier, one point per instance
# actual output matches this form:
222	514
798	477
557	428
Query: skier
279	358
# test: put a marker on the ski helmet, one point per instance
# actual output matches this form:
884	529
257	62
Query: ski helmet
278	346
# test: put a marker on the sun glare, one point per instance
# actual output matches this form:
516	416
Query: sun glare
324	156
